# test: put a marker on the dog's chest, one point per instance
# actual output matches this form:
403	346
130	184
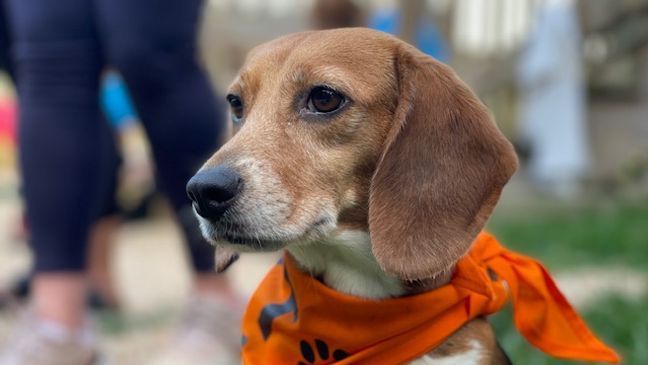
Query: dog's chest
345	263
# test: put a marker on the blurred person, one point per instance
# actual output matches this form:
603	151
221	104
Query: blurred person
116	104
329	14
552	101
425	35
59	51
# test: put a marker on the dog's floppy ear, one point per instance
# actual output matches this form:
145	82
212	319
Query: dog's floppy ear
442	169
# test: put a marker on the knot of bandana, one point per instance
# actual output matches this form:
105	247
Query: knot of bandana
293	318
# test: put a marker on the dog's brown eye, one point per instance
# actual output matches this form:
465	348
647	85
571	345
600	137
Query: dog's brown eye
236	105
324	100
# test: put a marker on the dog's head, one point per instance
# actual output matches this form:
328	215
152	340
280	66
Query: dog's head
353	129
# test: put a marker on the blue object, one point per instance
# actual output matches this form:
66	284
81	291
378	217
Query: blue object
428	38
116	102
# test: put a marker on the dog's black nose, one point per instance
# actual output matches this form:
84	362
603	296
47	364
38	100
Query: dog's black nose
212	190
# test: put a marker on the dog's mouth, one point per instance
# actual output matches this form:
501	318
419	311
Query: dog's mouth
241	238
247	240
255	243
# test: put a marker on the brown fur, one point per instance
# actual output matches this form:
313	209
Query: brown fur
414	158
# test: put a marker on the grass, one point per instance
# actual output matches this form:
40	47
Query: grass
610	233
607	233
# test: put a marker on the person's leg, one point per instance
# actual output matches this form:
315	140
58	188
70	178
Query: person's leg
57	63
100	274
5	45
153	45
106	222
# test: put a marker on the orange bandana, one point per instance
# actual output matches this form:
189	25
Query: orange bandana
294	319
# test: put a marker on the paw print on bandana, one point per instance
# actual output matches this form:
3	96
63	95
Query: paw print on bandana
323	353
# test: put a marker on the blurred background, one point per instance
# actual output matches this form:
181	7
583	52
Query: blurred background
566	81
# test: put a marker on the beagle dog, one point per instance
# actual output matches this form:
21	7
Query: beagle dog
370	162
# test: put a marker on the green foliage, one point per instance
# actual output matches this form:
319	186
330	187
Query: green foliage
596	234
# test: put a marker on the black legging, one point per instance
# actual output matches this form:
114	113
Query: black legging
5	64
60	48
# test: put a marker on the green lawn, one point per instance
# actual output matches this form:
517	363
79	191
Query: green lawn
605	233
595	234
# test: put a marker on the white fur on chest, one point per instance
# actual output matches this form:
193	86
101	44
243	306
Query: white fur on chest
345	262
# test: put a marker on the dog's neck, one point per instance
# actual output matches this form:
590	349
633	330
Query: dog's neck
344	262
